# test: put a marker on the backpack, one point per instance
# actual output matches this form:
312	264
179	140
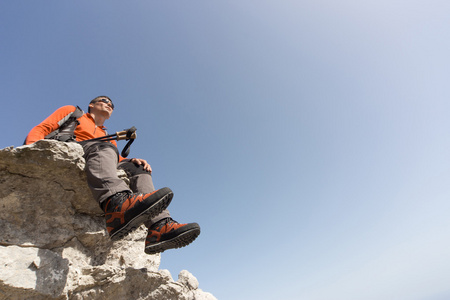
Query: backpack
65	131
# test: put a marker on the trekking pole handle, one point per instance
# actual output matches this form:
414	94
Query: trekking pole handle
128	134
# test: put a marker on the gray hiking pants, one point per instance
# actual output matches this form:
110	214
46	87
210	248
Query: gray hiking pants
102	162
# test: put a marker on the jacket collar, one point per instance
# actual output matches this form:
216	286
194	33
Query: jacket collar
92	119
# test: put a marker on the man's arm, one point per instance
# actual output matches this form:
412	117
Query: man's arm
50	124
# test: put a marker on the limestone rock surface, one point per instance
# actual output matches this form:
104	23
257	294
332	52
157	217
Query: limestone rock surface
53	240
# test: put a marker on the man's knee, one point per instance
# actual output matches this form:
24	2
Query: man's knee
132	169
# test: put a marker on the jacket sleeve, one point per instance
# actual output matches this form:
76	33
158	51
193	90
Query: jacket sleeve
49	125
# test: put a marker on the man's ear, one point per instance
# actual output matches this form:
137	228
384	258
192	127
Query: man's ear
91	105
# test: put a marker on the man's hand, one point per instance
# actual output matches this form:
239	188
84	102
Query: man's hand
143	163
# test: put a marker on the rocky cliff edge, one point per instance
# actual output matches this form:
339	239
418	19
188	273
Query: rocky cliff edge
53	240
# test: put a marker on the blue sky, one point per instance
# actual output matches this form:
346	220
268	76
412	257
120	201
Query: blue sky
309	139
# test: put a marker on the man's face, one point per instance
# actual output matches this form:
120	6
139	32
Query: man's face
102	106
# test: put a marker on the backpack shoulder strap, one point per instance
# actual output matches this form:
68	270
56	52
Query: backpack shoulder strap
65	131
78	112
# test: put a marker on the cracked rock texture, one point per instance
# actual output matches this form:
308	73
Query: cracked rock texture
53	240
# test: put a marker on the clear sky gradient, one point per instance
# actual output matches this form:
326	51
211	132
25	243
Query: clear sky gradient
309	139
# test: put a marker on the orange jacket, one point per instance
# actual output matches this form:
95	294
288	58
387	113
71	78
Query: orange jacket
85	131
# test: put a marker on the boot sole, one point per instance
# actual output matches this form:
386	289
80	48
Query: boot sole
181	240
150	212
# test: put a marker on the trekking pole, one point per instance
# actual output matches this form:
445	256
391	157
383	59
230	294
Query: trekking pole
127	134
130	136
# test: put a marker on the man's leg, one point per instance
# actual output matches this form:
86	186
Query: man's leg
163	232
141	182
101	171
124	211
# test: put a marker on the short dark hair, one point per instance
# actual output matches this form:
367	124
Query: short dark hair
96	100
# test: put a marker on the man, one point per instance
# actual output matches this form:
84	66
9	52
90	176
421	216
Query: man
126	207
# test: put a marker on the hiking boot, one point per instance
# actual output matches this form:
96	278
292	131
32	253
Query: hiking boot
125	212
169	234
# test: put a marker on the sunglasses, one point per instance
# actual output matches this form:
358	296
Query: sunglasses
107	101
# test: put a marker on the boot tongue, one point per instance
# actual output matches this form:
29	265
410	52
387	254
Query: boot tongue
117	199
161	223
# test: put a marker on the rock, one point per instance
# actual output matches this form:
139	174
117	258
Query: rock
54	244
188	280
